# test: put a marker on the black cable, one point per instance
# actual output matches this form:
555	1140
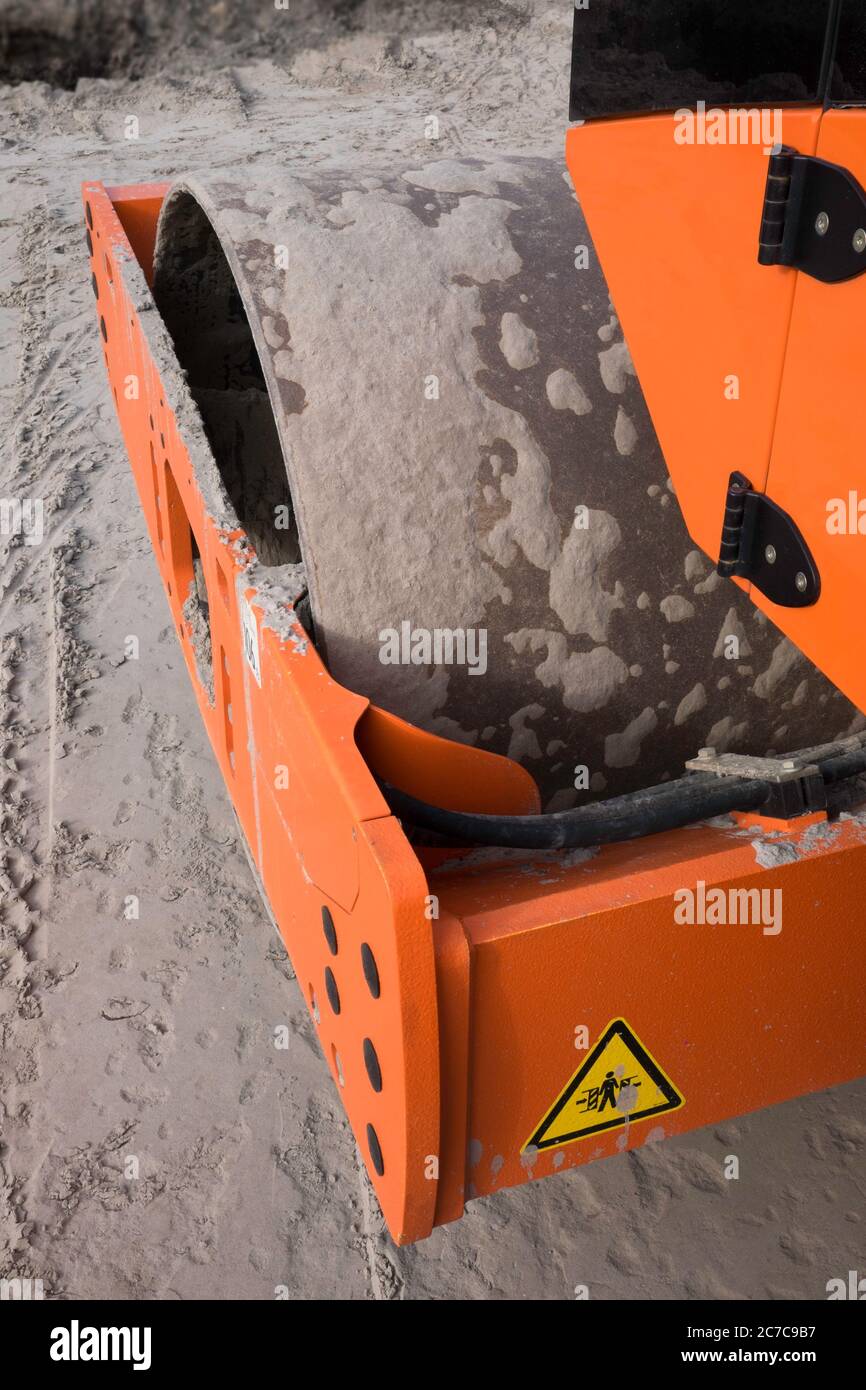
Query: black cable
629	817
846	765
697	797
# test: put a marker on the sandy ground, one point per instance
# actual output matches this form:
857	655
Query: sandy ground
151	1039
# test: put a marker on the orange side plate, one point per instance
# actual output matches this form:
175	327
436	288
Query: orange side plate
454	1001
744	366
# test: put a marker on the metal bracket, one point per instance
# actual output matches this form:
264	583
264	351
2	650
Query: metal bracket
814	218
761	543
796	788
742	765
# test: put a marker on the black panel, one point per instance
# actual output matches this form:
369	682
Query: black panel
633	56
848	84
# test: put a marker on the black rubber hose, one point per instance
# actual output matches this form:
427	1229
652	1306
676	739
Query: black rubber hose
667	807
846	765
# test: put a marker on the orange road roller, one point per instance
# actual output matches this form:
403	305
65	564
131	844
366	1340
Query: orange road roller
510	541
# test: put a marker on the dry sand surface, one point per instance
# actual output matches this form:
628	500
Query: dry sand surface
153	1038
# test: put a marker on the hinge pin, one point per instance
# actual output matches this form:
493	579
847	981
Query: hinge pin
812	218
762	543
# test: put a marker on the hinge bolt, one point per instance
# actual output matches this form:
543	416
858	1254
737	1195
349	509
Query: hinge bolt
789	764
860	241
822	223
801	582
770	555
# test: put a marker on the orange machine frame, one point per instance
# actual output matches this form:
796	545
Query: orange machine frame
744	366
450	990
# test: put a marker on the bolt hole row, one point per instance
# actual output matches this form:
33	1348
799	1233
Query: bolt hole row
371	1058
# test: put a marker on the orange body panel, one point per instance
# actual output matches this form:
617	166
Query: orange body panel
676	229
487	964
316	823
415	761
138	206
453	986
737	1018
818	449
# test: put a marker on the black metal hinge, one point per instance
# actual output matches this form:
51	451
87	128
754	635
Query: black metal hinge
814	218
761	543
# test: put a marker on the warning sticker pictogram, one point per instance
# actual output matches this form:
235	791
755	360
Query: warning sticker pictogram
617	1083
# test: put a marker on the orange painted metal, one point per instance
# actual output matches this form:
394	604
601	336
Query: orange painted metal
818	456
453	975
138	207
676	229
316	823
770	824
452	775
738	1019
486	963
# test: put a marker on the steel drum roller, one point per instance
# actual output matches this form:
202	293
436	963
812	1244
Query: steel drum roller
415	383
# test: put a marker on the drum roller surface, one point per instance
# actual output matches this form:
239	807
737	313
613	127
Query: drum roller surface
413	381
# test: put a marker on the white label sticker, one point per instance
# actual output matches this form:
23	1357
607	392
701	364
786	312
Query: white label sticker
249	628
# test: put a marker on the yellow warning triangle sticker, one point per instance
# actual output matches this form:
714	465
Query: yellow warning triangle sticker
619	1082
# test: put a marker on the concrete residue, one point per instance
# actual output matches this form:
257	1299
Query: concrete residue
195	613
463	176
588	680
518	343
690	704
577	592
709	585
785	659
725	735
695	566
624	434
616	367
623	749
771	854
524	741
676	608
565	392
